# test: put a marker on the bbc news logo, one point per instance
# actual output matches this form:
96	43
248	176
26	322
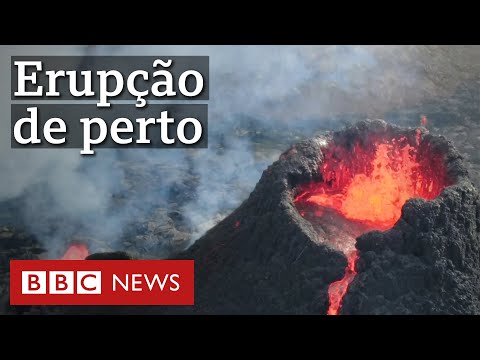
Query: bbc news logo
102	282
62	282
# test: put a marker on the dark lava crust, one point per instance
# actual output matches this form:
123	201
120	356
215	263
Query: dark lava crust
266	259
429	263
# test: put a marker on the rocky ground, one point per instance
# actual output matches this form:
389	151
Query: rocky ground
14	244
446	89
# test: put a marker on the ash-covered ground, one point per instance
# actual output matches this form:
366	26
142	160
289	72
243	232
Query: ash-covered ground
163	205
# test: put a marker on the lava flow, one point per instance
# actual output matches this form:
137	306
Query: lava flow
369	185
338	289
76	252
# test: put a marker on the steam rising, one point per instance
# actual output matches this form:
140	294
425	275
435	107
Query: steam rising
258	90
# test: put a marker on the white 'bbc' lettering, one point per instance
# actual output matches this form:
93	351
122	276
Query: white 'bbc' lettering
61	282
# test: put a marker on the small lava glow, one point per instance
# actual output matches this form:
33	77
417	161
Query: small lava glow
423	120
369	184
76	252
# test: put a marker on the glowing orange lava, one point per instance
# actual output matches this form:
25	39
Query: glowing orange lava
76	252
369	184
376	199
338	289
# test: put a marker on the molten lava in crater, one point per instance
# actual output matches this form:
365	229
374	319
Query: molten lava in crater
366	183
76	252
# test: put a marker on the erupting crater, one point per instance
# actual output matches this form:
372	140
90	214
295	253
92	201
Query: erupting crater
367	180
371	219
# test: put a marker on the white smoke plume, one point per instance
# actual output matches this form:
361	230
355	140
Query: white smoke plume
271	87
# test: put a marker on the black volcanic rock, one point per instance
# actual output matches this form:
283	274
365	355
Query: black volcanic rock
429	263
114	255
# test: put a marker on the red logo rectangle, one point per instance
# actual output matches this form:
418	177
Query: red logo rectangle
101	282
